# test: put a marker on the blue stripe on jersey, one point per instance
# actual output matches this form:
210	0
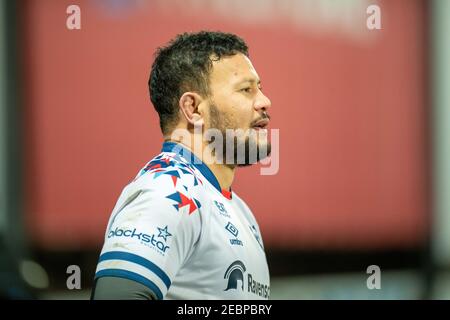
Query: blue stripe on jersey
131	257
131	276
169	146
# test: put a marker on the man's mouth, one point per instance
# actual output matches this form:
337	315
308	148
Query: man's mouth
261	124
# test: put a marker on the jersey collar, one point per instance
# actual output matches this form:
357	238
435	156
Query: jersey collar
170	146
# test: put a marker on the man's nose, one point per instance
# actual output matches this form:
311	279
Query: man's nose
262	102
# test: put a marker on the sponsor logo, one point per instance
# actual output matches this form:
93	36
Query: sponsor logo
236	242
234	231
235	274
163	233
149	240
222	209
258	288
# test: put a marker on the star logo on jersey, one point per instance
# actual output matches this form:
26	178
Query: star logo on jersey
183	201
164	233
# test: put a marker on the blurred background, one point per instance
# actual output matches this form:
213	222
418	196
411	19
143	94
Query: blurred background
364	120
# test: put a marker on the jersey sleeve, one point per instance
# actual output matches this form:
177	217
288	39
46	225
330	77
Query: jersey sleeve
114	288
152	231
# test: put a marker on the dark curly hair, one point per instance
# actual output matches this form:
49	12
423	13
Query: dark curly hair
185	65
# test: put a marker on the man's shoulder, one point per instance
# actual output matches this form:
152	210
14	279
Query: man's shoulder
168	174
240	202
162	185
245	209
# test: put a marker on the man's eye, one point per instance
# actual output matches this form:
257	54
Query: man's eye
248	89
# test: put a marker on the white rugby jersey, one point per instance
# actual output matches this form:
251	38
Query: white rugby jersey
174	230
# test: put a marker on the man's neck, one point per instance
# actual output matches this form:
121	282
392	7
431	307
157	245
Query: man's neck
223	173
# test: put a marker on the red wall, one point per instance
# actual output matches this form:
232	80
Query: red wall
349	104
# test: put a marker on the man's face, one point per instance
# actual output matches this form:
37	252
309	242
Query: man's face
237	103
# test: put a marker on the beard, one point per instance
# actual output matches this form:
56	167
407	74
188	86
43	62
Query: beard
239	147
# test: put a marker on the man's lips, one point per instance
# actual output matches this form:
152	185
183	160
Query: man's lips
261	124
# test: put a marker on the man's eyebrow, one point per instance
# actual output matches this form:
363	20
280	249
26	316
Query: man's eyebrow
251	80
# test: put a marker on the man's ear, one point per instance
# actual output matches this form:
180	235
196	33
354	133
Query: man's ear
189	105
